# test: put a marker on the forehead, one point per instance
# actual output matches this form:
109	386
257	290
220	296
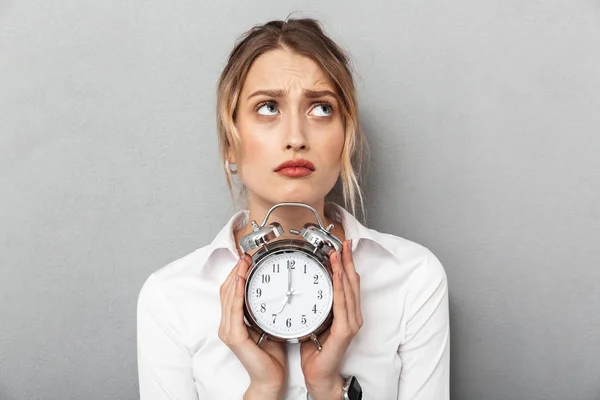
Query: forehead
282	68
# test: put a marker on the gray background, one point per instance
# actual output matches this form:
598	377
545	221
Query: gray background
484	123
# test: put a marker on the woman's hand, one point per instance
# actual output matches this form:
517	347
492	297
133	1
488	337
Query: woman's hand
321	368
265	364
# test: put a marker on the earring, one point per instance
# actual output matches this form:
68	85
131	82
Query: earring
229	166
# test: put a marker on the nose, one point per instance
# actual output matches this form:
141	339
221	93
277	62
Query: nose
296	138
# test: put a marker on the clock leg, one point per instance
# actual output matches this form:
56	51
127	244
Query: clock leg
314	339
261	338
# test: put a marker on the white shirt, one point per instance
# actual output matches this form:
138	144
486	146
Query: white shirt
402	351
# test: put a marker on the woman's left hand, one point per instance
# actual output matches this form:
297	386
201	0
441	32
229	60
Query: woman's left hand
321	368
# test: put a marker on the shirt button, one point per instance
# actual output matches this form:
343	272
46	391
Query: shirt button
301	390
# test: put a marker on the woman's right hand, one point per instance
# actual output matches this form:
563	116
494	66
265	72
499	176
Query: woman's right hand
265	364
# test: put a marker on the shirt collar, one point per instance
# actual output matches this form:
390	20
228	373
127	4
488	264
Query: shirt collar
353	229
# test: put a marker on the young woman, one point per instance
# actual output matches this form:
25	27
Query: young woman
289	130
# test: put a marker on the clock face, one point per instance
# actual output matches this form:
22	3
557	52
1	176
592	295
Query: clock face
290	294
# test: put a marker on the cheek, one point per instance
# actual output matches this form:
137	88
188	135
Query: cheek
332	145
255	153
336	138
252	147
338	145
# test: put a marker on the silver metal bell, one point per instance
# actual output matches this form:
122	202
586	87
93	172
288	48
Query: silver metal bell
260	236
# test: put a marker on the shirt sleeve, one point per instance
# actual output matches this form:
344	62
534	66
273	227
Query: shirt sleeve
425	350
164	362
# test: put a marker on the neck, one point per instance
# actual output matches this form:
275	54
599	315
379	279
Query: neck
288	217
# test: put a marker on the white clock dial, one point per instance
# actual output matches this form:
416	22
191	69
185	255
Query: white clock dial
290	294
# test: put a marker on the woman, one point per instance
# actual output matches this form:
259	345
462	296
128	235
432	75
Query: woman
288	130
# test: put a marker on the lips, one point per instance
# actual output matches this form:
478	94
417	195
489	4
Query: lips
296	164
295	168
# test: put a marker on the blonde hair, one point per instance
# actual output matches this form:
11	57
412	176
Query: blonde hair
306	37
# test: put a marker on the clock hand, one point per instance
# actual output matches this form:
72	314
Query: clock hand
272	298
289	290
288	296
285	301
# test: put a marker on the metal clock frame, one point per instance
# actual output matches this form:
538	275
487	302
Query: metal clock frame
318	243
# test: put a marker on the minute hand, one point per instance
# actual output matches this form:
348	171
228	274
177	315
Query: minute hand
288	294
289	290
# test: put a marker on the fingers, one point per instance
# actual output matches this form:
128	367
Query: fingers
246	260
231	274
235	269
228	291
263	368
340	309
226	297
241	269
346	300
353	281
238	328
350	304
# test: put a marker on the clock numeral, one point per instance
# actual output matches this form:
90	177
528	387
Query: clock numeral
314	309
274	317
303	320
304	268
288	322
263	307
316	278
266	278
258	292
290	264
320	294
275	268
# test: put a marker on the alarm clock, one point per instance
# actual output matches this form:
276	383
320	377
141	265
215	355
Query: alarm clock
288	295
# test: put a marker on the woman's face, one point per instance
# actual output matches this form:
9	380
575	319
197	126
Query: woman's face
288	110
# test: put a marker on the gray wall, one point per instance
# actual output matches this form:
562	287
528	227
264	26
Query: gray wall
484	123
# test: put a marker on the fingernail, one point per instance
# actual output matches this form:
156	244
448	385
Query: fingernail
341	273
339	255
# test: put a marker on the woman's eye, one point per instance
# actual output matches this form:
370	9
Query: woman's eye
267	109
322	110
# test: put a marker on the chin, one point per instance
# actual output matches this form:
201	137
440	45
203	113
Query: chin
297	196
296	191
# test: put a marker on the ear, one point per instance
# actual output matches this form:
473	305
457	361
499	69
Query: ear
230	156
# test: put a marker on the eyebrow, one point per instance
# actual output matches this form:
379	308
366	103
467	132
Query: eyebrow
308	93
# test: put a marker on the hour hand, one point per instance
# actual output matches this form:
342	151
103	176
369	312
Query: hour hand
288	296
282	306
